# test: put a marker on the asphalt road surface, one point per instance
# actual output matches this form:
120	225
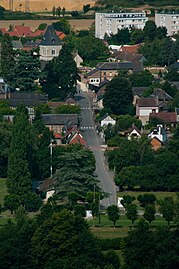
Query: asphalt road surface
87	128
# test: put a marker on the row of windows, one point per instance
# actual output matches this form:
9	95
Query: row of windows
124	16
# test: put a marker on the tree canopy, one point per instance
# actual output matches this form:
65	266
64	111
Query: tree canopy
118	96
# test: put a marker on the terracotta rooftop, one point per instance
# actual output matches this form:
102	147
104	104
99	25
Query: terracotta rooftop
130	49
166	117
147	102
23	30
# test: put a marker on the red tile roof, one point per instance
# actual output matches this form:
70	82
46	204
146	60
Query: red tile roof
77	139
147	102
166	117
3	30
61	35
38	33
23	30
12	33
57	136
130	49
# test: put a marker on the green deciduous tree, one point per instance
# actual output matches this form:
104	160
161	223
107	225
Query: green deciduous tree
149	213
146	199
62	25
167	208
141	79
113	214
150	30
5	138
62	75
122	37
64	241
118	96
91	48
131	212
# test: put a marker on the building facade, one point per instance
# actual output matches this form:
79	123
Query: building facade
168	20
50	45
109	23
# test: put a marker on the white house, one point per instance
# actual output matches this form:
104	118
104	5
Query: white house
159	132
133	132
50	45
146	106
107	120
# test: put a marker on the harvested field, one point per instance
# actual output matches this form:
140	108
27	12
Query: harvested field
42	5
75	24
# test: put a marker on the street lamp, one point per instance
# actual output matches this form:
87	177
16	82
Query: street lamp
51	167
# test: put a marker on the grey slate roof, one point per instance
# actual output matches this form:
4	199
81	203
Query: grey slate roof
136	67
138	90
50	38
27	99
161	94
17	44
60	119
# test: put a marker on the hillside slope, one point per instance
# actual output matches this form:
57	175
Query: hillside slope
42	5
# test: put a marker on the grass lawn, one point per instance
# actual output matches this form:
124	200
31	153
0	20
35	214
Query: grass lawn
3	190
123	226
159	194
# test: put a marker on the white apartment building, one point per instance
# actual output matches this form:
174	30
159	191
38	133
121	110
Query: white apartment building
168	20
109	23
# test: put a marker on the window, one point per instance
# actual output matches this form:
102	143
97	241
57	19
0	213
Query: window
104	73
53	51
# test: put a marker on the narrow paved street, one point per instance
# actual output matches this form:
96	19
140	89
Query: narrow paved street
88	130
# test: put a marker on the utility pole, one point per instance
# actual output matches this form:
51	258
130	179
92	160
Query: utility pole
27	6
11	5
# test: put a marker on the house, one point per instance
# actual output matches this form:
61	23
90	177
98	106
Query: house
137	93
50	45
17	45
78	60
167	118
130	48
30	100
4	89
133	132
47	186
160	133
123	56
156	143
76	138
58	138
108	70
107	119
56	122
146	106
177	112
164	98
23	31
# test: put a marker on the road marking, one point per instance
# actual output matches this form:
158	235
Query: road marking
86	127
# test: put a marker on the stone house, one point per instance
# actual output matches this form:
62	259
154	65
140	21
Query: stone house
50	45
